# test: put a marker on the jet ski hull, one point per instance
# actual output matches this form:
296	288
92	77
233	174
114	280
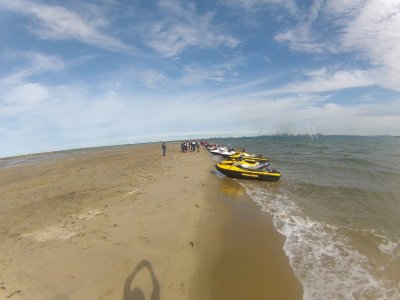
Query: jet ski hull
222	153
236	172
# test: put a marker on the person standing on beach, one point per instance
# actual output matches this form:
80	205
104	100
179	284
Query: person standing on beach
164	148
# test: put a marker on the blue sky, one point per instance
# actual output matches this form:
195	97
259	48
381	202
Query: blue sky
89	73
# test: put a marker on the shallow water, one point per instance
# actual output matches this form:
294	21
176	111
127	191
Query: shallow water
338	205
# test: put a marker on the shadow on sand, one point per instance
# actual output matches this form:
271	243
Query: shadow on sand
136	293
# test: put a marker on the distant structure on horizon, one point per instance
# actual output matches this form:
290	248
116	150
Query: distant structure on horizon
312	133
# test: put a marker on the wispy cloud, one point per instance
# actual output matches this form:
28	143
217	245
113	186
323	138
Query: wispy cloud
171	75
315	84
322	80
182	27
80	118
251	5
301	38
375	33
34	63
193	74
59	23
27	93
154	78
199	69
18	92
369	30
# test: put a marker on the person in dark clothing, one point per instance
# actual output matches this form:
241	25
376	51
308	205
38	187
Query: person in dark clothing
164	148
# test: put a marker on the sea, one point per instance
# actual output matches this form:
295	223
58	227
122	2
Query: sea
338	206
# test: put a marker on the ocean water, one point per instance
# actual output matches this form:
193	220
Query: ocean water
338	206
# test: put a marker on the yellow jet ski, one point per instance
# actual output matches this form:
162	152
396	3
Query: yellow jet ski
246	157
244	170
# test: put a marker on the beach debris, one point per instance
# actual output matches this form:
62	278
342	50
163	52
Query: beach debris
13	293
85	246
96	212
191	244
2	286
145	238
89	215
119	243
197	205
51	233
131	192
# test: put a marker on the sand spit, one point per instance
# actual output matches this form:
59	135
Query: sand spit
103	224
121	223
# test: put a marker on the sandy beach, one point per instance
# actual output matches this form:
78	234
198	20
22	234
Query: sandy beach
127	223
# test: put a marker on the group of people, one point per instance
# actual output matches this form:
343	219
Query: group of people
186	146
190	145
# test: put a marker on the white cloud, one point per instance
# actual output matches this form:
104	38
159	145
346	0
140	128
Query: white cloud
150	78
251	5
59	23
76	117
35	63
182	28
17	91
196	73
301	38
326	82
375	33
280	114
344	8
154	78
41	62
170	75
322	81
368	30
28	93
138	102
331	105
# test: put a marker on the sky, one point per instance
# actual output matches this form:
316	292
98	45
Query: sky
106	72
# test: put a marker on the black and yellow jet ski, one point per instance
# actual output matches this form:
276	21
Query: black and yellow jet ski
259	171
245	157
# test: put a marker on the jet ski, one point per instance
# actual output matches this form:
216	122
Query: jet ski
246	157
223	151
257	170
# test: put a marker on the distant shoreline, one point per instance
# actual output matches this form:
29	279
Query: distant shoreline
179	140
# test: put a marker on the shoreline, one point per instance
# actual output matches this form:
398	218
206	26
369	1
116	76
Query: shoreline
248	261
119	224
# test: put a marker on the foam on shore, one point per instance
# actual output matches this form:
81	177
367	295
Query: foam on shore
248	261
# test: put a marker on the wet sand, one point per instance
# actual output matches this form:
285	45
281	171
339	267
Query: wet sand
128	223
250	262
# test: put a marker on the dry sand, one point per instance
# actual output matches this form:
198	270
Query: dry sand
128	223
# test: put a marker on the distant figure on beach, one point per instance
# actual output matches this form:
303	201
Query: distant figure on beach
164	148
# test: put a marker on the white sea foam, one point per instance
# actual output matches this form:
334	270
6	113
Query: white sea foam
322	256
387	246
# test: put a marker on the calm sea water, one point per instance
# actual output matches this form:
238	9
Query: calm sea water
338	205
